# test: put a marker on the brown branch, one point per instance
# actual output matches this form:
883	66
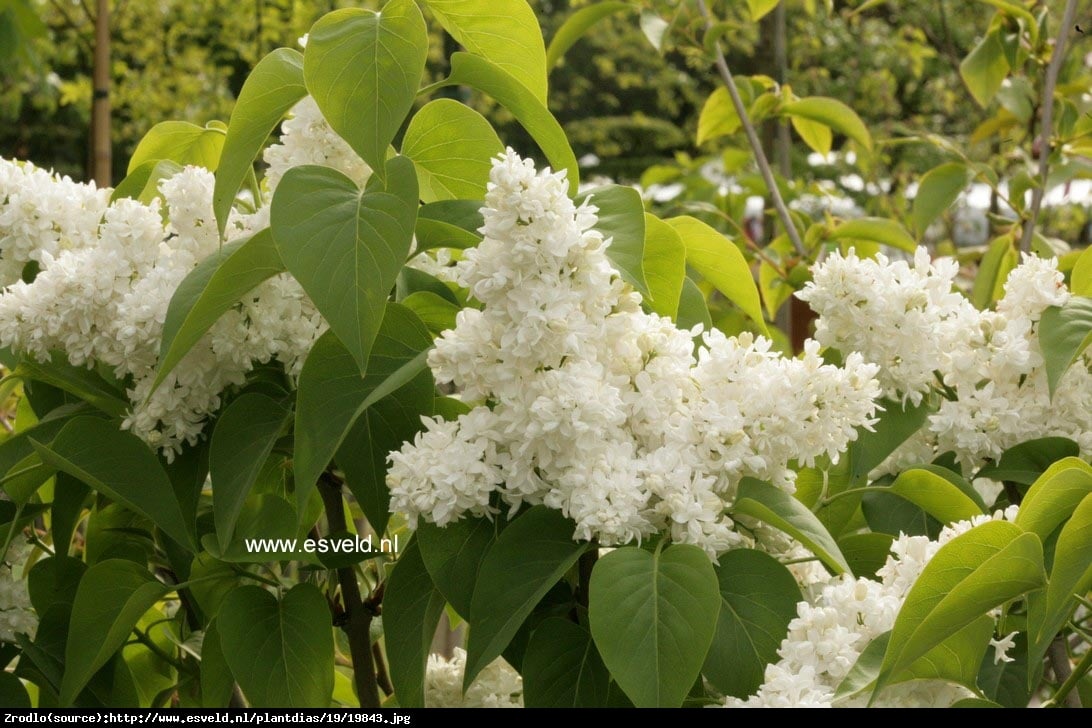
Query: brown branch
358	617
1046	129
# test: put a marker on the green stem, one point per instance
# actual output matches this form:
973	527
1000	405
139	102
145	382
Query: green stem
144	639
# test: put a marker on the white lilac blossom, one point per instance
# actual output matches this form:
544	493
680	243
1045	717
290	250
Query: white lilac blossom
103	289
585	403
17	616
307	138
983	367
831	631
497	686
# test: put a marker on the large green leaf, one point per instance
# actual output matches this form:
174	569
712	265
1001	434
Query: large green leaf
1070	576
970	575
758	599
504	32
1054	496
411	610
363	68
12	692
1081	276
1064	334
779	509
1024	463
693	309
241	443
344	246
527	559
448	224
720	262
271	89
280	652
985	68
876	229
142	184
653	615
478	73
217	684
832	113
989	283
82	382
897	422
938	189
112	597
577	24
562	669
120	466
180	142
622	220
210	289
451	145
935	495
664	265
454	554
332	395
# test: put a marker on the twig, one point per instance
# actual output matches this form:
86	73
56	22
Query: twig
1066	675
381	677
1047	127
752	137
358	620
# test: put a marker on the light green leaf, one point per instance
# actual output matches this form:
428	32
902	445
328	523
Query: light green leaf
452	146
832	113
120	466
718	117
1081	276
344	246
758	599
866	552
985	68
180	142
280	652
662	605
241	442
1053	497
1000	258
779	509
759	8
664	265
437	313
363	69
970	575
817	136
478	73
271	89
692	308
448	224
939	188
720	262
504	32
562	669
1064	334
454	554
935	495
412	609
1070	576
142	184
622	219
577	24
112	597
531	554
332	396
876	229
209	290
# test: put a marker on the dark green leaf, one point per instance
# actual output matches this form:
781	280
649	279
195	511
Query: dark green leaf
412	608
454	554
562	669
1064	334
939	188
622	220
1024	463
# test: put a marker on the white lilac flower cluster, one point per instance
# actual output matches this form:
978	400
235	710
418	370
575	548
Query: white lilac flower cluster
984	367
497	686
585	403
831	631
17	616
108	271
